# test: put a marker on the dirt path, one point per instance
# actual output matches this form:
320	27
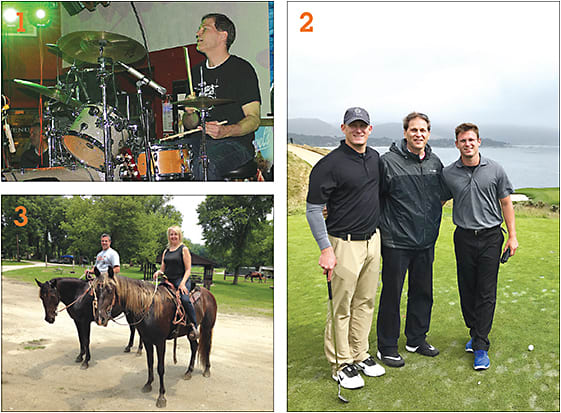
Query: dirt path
39	372
310	157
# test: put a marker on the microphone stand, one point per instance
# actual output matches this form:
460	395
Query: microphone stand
144	119
204	113
108	142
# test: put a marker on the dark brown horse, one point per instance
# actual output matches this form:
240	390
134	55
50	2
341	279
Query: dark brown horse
75	294
154	311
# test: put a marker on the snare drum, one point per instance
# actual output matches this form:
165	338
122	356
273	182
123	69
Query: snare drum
169	163
85	137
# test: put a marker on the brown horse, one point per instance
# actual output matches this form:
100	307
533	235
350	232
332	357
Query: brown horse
255	274
154	311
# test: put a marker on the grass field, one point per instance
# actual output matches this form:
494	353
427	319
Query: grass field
244	298
527	313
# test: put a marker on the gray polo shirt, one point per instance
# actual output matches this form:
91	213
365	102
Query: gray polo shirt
476	194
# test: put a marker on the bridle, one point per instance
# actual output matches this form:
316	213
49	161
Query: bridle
110	309
73	302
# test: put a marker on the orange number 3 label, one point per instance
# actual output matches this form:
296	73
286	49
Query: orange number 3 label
22	216
307	27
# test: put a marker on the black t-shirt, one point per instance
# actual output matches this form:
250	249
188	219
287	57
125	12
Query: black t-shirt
234	79
349	183
175	267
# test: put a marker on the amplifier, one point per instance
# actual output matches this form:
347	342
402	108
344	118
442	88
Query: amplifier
56	174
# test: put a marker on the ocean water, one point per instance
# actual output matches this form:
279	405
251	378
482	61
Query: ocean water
526	166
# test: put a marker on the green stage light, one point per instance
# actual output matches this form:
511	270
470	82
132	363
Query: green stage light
10	15
41	17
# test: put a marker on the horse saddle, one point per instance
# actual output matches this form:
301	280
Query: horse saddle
194	294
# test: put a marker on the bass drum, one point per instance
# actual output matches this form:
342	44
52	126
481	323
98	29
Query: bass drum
84	139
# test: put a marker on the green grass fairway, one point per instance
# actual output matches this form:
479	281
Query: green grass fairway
244	298
549	196
527	313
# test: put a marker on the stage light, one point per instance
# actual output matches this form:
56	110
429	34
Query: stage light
41	17
10	15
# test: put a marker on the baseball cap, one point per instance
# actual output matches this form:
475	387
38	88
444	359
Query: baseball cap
356	113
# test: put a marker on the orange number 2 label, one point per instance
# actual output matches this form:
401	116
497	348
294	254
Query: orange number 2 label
307	27
22	216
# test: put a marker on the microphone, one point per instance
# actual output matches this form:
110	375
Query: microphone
8	132
140	76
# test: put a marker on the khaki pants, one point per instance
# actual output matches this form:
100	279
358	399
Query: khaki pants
354	283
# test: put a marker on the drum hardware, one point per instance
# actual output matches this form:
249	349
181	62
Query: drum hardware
204	104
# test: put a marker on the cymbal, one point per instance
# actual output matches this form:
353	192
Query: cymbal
202	102
85	46
52	92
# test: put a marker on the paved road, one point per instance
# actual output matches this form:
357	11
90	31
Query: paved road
306	155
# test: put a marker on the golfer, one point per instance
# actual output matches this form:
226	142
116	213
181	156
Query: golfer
481	190
411	213
107	257
347	181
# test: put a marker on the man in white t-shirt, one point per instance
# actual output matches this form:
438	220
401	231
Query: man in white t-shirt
107	257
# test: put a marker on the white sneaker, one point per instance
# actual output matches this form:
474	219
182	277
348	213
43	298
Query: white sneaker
349	377
370	368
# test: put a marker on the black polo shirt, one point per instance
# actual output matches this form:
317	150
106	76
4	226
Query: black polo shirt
348	182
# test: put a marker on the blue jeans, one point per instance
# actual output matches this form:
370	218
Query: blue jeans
222	158
189	309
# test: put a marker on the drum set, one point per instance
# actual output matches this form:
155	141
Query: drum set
87	121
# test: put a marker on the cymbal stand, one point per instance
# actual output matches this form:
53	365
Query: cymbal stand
107	141
204	113
50	133
145	121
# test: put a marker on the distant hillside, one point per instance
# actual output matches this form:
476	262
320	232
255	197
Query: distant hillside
493	135
329	141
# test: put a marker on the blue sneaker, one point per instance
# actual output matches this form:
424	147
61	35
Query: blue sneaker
481	361
469	348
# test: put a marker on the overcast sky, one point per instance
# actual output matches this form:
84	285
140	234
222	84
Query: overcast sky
470	61
187	205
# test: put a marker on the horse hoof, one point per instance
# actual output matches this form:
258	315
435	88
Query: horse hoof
162	402
187	376
147	388
127	349
79	359
206	373
84	365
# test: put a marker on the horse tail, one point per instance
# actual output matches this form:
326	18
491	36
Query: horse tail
207	325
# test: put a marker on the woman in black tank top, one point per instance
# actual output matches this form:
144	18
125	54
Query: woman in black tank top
176	265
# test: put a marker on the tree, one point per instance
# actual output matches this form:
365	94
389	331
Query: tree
229	223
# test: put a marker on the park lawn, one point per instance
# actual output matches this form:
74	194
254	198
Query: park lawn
244	298
549	196
527	313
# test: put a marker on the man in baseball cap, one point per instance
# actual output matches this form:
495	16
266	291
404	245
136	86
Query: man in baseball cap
347	181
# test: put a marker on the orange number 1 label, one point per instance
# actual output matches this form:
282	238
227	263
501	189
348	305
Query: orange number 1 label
307	27
20	28
22	215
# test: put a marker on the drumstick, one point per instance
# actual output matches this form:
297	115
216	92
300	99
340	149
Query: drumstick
188	65
177	135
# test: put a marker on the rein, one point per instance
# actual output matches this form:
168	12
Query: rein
74	302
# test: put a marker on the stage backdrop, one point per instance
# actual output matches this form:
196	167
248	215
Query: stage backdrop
172	24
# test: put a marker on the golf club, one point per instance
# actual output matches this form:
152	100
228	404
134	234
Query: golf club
335	342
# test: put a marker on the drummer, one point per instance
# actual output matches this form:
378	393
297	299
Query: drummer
226	76
36	156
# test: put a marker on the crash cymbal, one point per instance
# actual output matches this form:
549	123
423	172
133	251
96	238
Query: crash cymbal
52	92
86	45
202	102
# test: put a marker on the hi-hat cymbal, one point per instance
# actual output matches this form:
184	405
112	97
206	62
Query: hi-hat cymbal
52	92
202	102
86	46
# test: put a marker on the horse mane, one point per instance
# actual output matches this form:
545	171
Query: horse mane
137	296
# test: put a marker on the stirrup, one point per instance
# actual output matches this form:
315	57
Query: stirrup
193	333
